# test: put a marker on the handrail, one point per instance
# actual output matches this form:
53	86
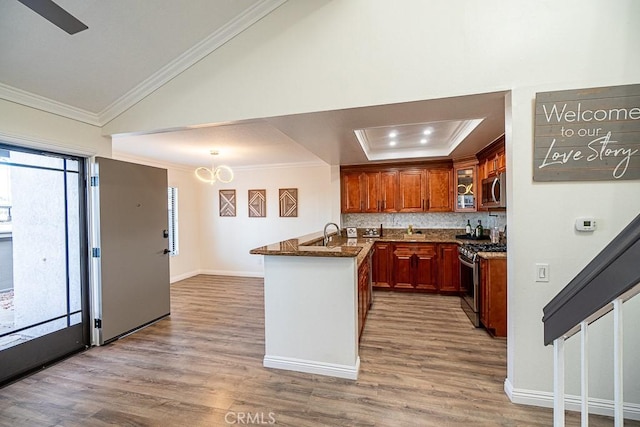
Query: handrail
611	274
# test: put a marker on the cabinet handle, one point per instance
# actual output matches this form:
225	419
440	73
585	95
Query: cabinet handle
422	204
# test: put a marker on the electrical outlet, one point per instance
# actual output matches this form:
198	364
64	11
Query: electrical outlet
542	272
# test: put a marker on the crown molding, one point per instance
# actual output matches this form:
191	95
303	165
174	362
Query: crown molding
155	81
189	58
38	102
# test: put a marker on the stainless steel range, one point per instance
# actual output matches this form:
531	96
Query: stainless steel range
470	276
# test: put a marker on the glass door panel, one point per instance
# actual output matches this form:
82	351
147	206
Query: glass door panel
43	285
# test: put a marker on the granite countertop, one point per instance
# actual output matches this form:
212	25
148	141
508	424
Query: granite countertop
338	246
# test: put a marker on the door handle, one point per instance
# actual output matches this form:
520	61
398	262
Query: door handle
166	251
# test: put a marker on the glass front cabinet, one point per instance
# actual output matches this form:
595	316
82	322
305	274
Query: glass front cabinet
465	175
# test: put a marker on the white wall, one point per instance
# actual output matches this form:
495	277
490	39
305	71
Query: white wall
226	241
312	56
20	125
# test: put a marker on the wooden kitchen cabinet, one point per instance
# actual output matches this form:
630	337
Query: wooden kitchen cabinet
397	188
439	190
425	190
415	267
412	190
369	191
493	296
465	184
364	293
381	266
492	159
388	191
351	192
448	268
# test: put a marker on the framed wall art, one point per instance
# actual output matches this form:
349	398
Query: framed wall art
288	201
227	202
257	203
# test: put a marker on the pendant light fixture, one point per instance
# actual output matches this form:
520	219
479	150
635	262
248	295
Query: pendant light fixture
220	173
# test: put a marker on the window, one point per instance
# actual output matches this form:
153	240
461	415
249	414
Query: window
173	221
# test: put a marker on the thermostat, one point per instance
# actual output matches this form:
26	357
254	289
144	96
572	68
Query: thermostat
585	224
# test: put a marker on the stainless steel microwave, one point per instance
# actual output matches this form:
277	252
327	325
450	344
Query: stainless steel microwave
494	191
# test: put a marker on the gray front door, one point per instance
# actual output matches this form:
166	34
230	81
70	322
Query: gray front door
134	263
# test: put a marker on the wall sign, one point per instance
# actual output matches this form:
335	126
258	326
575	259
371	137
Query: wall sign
587	134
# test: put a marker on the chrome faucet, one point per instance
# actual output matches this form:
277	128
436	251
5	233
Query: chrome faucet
326	238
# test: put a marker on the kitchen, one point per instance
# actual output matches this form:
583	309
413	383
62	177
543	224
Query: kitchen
479	49
301	273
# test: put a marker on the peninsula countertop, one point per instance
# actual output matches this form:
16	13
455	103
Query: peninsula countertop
338	246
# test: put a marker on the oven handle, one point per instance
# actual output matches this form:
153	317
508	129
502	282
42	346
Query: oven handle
465	262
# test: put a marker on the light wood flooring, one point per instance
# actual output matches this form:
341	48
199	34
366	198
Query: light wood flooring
422	364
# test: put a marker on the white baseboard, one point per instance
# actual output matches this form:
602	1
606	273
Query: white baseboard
179	277
312	367
232	273
572	403
184	276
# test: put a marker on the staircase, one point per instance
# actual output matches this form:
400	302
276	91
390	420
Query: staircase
604	285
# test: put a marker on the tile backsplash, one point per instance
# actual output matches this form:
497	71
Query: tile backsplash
425	220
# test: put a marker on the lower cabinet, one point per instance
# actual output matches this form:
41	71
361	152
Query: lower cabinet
381	265
414	267
364	292
424	267
448	268
493	296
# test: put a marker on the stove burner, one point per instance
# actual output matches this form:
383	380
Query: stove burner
488	247
470	250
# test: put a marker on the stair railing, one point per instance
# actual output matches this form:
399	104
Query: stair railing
604	285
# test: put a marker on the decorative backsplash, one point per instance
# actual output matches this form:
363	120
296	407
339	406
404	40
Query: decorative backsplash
425	220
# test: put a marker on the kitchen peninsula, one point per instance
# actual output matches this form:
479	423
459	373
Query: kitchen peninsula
317	296
312	301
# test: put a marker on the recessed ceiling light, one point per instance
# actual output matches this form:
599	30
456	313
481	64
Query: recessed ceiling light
392	143
427	132
423	141
393	134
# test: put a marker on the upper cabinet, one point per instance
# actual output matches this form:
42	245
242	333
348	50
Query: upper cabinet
491	163
466	185
492	159
397	188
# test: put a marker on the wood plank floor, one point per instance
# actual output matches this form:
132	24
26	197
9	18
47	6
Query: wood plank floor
422	364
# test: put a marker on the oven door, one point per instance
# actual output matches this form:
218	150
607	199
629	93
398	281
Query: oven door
469	281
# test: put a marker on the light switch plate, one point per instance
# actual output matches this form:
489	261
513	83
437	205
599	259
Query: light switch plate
542	272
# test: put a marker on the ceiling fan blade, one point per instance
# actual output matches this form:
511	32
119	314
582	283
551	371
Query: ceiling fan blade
55	14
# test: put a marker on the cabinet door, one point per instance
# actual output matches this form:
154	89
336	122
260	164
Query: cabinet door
448	268
484	293
439	190
389	191
403	267
425	267
502	161
382	266
352	192
493	302
465	191
363	294
371	191
412	190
